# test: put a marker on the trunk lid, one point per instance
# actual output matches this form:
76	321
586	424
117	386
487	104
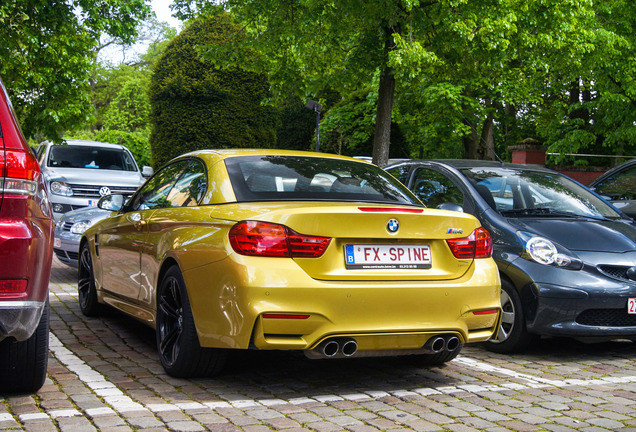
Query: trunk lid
364	228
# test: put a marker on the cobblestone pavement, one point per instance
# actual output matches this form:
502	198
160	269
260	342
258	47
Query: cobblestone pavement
104	374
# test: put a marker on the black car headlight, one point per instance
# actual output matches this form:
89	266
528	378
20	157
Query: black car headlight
546	252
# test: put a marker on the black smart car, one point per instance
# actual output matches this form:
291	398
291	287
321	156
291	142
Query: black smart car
567	259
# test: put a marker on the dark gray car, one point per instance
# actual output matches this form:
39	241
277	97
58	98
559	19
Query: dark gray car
566	257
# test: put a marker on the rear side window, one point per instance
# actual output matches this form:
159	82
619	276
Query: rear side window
72	156
620	186
289	178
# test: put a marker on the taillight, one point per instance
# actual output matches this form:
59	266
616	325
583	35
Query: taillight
13	286
21	169
477	245
274	240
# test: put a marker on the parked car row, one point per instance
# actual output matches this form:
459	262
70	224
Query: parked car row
565	257
332	256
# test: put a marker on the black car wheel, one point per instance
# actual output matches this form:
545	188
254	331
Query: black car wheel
177	342
512	335
23	364
86	283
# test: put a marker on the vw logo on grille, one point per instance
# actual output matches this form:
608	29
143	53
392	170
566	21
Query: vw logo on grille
392	225
104	190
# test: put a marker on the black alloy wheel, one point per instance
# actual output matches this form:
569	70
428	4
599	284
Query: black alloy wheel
177	341
86	289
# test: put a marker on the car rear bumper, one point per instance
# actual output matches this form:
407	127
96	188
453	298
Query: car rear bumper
19	319
278	306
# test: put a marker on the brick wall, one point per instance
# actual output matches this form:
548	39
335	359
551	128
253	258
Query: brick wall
530	151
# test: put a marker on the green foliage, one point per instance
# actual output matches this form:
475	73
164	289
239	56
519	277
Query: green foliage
349	125
197	106
130	108
47	50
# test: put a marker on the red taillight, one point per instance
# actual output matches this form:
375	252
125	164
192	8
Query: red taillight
13	286
390	210
273	240
21	165
284	316
20	169
477	245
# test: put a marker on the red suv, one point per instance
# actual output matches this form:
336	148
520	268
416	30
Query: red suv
26	247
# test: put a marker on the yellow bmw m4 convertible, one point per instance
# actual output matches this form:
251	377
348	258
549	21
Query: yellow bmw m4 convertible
275	250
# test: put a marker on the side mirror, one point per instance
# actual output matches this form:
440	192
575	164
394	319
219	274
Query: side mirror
451	207
112	202
147	171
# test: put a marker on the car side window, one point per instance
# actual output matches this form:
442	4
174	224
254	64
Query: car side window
434	188
620	186
190	187
154	194
401	173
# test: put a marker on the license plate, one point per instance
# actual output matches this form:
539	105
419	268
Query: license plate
57	242
631	306
387	257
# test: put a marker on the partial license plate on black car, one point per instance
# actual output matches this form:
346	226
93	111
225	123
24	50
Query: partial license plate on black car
631	306
388	256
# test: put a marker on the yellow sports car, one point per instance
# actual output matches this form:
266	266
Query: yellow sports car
264	249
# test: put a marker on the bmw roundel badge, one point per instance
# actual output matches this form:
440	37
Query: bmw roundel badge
392	226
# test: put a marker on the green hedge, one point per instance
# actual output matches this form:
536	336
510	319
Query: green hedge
197	106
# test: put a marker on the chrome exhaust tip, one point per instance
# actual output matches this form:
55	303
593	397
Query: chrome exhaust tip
452	343
435	344
349	348
330	348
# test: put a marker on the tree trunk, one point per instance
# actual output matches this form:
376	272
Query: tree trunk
471	142
487	140
382	136
386	91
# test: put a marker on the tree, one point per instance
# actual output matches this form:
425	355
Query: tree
485	50
195	105
591	108
47	50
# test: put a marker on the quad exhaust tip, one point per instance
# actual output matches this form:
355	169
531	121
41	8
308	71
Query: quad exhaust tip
347	347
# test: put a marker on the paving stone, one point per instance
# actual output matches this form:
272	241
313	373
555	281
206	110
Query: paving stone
593	389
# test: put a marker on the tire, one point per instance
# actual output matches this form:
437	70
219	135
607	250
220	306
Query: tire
178	345
512	335
87	292
23	364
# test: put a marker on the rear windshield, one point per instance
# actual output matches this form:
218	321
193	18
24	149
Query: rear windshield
285	178
73	156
